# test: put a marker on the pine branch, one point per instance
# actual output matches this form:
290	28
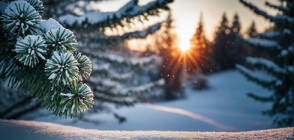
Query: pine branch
262	43
117	60
141	89
103	42
265	64
259	98
277	18
106	71
269	35
280	8
111	19
264	80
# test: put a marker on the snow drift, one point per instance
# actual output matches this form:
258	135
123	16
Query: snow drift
13	129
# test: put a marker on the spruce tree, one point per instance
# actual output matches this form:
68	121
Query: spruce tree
252	32
236	48
275	70
221	44
228	49
172	64
38	57
198	60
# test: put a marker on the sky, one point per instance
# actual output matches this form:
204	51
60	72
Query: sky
186	14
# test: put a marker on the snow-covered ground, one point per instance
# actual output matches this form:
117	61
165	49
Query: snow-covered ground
30	130
224	107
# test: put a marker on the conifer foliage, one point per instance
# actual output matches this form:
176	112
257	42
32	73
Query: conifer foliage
199	61
114	66
37	57
172	64
275	70
112	71
227	49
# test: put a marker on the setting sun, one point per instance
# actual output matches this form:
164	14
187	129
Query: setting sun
184	46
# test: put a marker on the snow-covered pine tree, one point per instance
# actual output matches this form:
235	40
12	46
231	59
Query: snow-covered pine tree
274	71
113	66
100	42
38	56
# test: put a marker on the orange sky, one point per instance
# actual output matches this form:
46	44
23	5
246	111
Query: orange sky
186	14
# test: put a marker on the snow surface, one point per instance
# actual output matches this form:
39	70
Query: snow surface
39	130
223	107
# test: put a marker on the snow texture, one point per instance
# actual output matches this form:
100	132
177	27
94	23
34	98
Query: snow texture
12	129
49	24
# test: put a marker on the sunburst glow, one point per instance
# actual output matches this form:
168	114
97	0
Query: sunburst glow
184	46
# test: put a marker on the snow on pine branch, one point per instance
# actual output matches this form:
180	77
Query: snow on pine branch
49	24
258	76
114	59
128	11
126	96
269	35
281	8
130	35
275	35
98	82
265	63
141	89
267	16
123	91
127	62
263	43
105	70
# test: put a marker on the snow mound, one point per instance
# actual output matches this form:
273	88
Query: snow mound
13	129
